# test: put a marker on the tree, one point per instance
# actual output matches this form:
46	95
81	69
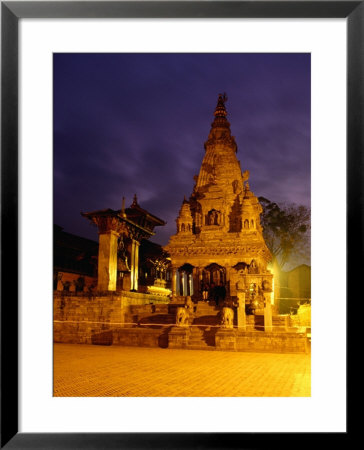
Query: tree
286	230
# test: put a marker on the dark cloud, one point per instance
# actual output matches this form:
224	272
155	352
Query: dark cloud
136	123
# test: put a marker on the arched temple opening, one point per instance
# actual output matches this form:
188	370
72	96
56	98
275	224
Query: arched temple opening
185	280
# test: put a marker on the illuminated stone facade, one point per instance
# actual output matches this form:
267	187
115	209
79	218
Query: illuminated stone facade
219	236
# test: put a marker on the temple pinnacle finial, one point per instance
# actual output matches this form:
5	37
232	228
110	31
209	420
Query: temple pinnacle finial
220	110
123	208
135	201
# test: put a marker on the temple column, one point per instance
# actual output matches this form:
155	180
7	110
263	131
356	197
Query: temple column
191	286
268	320
184	283
107	264
134	264
195	281
174	282
200	281
227	280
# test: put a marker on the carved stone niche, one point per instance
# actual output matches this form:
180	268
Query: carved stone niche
213	217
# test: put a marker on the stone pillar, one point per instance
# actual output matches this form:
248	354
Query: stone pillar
107	266
241	311
196	281
184	283
179	283
268	320
174	282
134	264
227	280
191	286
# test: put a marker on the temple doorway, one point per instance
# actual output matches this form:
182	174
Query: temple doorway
214	273
185	280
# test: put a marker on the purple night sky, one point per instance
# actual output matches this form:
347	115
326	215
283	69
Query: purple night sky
136	123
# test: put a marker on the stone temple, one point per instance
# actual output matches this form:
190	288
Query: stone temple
219	237
209	288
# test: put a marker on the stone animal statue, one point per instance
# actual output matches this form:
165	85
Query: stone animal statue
189	303
183	316
227	318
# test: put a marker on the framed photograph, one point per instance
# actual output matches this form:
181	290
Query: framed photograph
60	60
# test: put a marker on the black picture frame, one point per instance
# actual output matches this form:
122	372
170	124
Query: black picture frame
11	12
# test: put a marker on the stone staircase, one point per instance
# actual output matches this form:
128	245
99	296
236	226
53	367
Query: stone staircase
201	338
206	309
206	317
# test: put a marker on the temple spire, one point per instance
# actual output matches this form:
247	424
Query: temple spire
135	201
123	208
220	110
220	127
220	120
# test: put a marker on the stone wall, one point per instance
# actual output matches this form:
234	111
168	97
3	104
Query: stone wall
111	319
86	319
272	342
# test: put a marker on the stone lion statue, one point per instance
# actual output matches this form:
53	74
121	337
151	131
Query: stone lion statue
227	318
183	316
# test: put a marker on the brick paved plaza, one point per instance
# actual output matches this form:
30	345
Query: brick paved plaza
102	371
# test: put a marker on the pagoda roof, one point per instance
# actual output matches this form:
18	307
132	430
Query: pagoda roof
136	211
134	215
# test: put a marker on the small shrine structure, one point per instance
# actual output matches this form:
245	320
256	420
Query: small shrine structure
120	234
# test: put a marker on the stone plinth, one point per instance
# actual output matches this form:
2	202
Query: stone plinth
107	265
272	342
178	337
225	339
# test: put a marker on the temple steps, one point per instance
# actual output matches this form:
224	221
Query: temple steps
201	338
206	309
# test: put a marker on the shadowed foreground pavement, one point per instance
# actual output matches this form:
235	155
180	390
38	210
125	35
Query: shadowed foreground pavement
115	371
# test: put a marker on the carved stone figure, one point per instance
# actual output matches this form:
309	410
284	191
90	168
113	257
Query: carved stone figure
240	285
266	286
227	318
253	268
235	186
182	319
